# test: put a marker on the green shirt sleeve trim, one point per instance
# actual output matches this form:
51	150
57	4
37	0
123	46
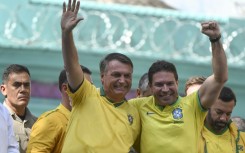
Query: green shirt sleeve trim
199	103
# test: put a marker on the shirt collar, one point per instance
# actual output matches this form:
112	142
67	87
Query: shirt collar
162	107
28	115
102	93
64	110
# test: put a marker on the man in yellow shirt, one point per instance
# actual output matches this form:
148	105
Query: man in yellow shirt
101	120
48	132
170	123
220	134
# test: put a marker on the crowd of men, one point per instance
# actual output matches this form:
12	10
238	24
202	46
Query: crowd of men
101	120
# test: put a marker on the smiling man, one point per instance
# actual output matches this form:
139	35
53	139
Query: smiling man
101	120
170	123
16	88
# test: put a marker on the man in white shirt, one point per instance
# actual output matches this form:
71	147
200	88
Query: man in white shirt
7	138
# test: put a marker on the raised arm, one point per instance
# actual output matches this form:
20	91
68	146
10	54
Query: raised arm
212	86
69	21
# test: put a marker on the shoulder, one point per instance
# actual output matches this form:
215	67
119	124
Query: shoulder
29	115
48	119
5	113
193	100
4	110
191	97
139	102
50	115
85	87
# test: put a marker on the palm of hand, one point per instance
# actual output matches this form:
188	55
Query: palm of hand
69	20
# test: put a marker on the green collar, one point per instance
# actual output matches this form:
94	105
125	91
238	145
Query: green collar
222	132
159	106
102	93
162	107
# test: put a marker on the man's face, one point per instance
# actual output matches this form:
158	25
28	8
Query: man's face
17	89
164	88
219	114
117	80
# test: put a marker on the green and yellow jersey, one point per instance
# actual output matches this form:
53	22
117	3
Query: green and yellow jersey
230	141
49	130
97	125
175	128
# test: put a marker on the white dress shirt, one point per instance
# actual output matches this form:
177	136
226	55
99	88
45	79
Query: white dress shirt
7	139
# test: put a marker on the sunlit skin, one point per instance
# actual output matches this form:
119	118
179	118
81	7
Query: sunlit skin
193	88
164	88
17	91
117	80
219	115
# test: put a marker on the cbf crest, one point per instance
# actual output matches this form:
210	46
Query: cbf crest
130	119
240	147
177	113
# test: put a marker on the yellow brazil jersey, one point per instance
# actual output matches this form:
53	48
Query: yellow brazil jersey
230	141
98	126
173	129
218	143
48	132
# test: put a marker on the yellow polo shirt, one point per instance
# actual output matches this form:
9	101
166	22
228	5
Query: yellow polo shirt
97	125
175	128
49	131
230	141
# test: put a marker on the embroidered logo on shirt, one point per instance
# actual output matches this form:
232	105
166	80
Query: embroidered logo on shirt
177	113
130	119
240	147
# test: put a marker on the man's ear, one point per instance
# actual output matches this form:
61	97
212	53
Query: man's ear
3	90
64	87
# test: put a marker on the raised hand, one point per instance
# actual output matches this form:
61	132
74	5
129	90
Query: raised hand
69	17
211	29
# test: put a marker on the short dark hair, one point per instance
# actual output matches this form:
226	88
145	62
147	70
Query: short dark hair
86	70
227	95
162	65
114	56
63	77
195	80
14	68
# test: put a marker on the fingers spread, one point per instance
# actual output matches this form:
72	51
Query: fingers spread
73	5
64	7
77	6
69	5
